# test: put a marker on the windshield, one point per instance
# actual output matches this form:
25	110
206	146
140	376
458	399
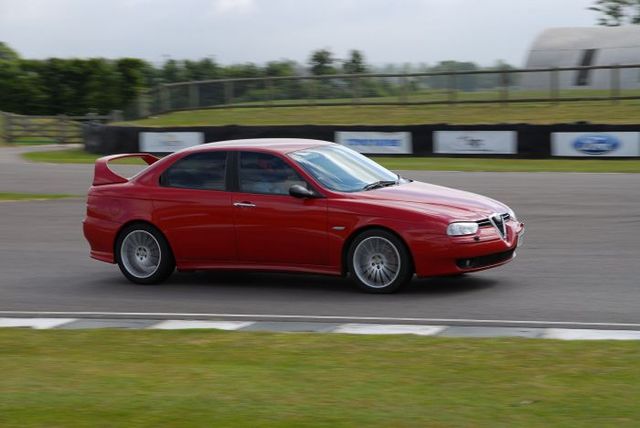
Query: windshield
341	169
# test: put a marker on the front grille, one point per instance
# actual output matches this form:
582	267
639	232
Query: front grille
483	261
487	222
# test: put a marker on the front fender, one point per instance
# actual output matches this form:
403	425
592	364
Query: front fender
411	228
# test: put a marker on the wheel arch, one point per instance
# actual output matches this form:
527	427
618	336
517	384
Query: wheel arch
357	232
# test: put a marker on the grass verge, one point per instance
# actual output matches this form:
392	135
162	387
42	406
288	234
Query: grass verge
34	141
540	113
192	378
10	196
412	163
510	165
73	156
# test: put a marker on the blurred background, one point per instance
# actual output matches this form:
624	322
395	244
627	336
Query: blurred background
528	102
128	59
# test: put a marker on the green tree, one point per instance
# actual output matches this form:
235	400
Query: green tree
355	64
321	62
614	13
131	79
8	54
238	71
280	68
465	82
103	91
30	89
204	69
172	71
9	75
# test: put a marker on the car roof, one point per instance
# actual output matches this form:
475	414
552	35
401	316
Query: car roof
278	145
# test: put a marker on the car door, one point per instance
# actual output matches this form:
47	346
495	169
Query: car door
193	208
272	227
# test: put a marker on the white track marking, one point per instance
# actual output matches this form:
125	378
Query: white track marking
188	324
420	330
255	317
584	334
348	328
37	323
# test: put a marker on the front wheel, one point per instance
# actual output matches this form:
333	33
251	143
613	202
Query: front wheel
143	254
379	262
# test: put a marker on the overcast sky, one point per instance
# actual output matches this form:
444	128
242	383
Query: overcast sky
387	31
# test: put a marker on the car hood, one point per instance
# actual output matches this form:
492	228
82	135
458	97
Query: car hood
450	203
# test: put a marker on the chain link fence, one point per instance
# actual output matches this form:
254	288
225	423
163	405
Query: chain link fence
612	83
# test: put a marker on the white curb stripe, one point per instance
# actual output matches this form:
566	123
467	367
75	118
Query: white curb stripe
439	321
584	334
37	323
350	328
420	330
186	324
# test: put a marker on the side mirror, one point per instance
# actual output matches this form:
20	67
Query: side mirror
298	191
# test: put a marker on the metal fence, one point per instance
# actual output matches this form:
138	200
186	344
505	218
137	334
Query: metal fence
548	85
60	129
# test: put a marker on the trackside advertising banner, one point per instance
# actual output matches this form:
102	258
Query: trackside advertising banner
475	142
166	142
376	142
595	144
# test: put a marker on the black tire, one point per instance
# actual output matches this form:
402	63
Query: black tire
389	283
160	270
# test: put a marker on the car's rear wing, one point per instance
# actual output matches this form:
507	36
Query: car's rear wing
104	175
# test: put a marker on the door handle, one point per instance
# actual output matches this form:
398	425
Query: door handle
244	204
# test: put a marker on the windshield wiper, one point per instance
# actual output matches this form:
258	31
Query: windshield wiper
379	184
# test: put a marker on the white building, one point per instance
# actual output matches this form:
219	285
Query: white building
574	47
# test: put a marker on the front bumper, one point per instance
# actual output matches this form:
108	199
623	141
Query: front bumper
455	255
482	262
494	259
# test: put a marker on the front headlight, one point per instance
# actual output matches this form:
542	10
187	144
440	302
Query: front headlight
462	228
512	214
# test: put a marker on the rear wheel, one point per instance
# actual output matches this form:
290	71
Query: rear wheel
379	262
143	254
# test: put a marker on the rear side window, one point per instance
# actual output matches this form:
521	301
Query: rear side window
204	171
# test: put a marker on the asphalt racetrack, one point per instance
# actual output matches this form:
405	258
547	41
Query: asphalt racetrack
580	263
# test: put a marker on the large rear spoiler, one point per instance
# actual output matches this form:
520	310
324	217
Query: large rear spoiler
104	175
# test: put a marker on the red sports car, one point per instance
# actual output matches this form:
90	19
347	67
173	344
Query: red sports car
290	205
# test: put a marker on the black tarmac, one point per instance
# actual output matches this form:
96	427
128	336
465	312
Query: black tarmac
580	262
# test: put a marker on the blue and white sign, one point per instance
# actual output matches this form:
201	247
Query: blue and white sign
168	142
376	142
596	144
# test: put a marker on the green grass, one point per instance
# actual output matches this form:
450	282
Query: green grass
96	378
73	156
510	165
413	163
34	141
11	196
540	113
430	95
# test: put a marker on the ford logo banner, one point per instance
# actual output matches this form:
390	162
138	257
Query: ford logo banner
596	144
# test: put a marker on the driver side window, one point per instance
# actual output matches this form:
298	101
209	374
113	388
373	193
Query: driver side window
266	174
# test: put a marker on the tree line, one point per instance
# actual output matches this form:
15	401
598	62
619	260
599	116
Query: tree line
78	86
